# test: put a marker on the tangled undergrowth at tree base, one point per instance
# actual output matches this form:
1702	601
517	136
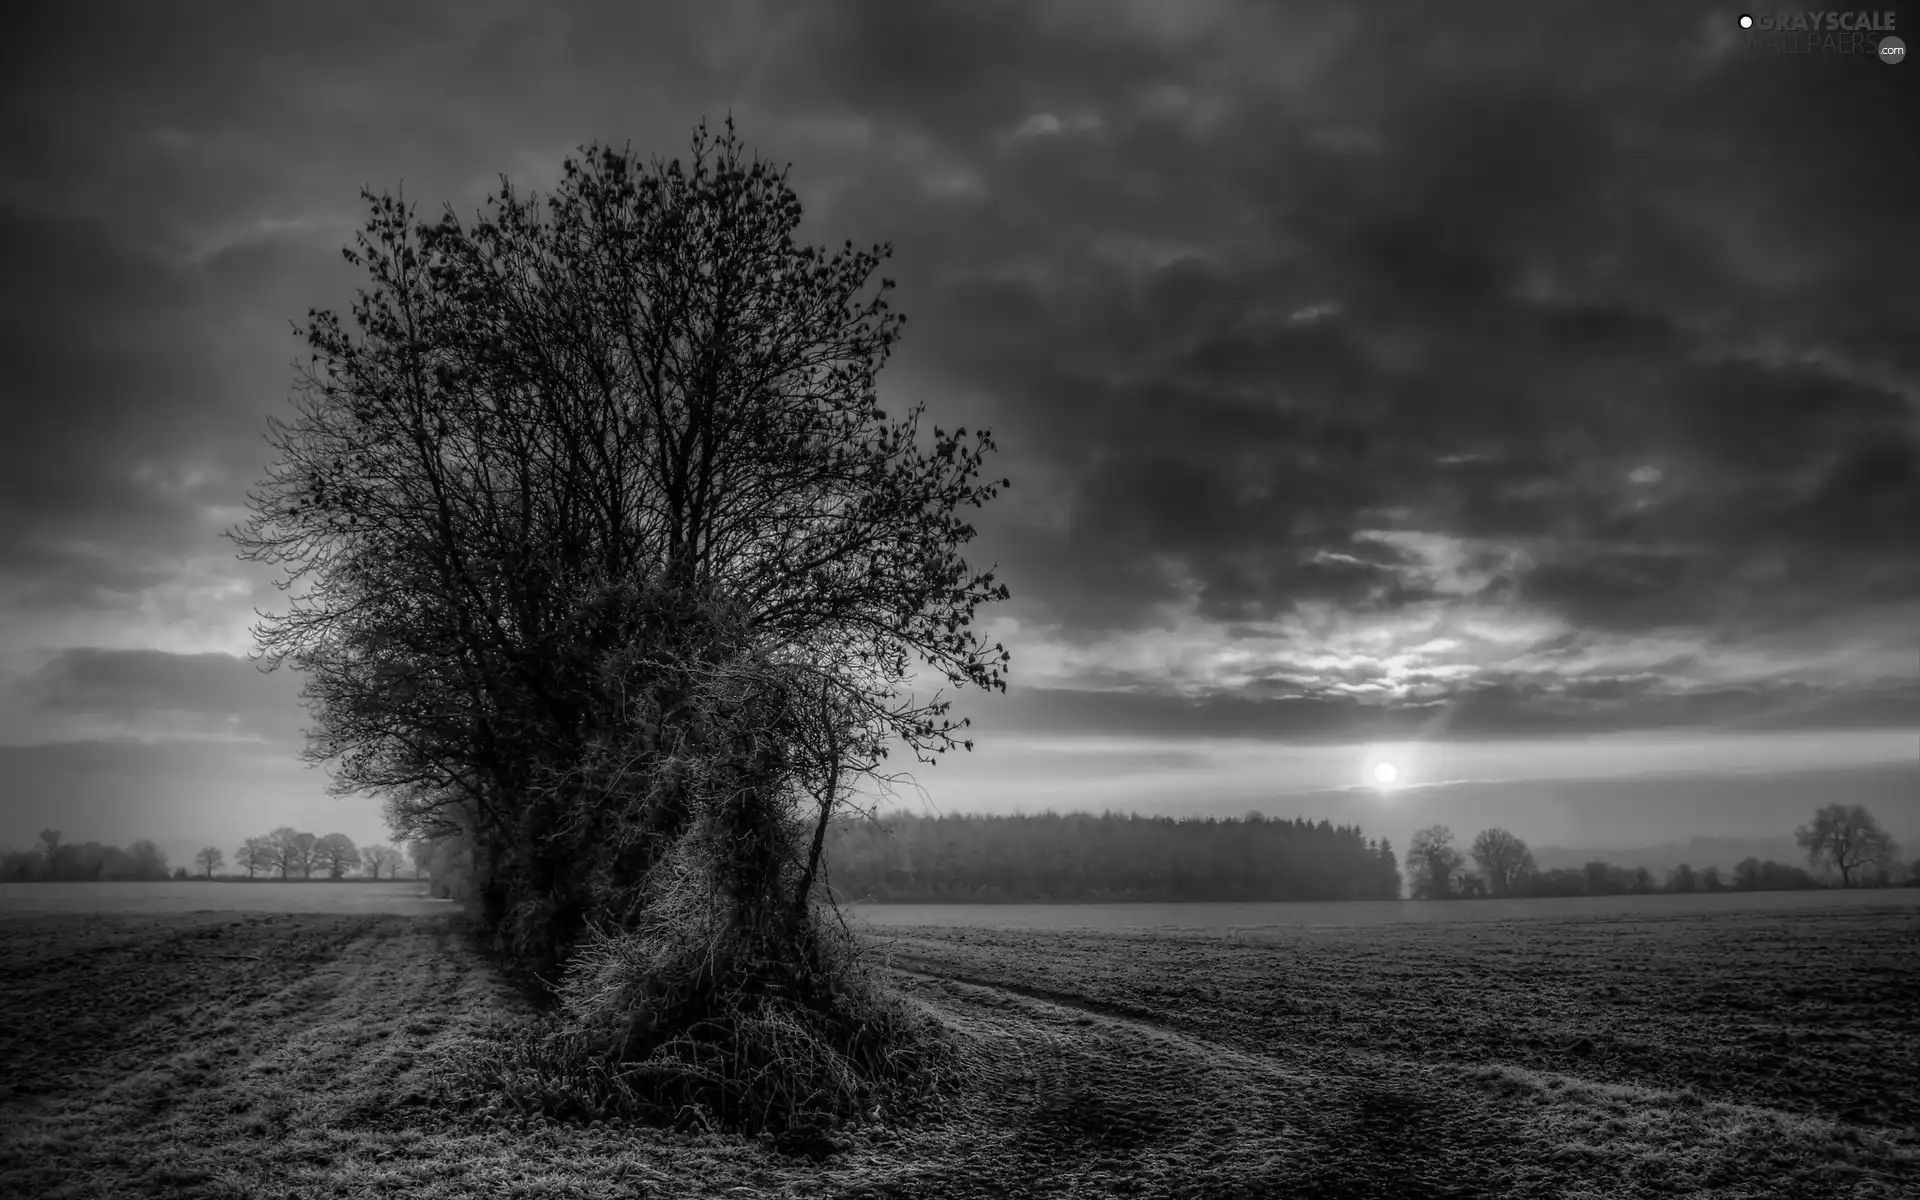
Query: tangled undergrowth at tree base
738	1034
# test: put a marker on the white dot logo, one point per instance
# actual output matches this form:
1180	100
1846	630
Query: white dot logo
1892	50
1746	22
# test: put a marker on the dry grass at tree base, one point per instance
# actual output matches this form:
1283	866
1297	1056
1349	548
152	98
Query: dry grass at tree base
1773	1054
674	1025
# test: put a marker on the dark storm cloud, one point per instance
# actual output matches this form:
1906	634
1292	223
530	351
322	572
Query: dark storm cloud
1622	321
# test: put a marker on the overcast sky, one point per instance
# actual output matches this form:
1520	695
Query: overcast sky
1525	394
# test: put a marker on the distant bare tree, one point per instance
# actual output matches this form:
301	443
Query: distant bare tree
1710	880
380	858
419	854
50	843
284	844
1432	862
1682	879
256	854
1845	837
337	853
305	848
209	859
1504	859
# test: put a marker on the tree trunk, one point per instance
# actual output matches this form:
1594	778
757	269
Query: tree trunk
819	835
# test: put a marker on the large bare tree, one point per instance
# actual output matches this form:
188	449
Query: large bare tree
597	492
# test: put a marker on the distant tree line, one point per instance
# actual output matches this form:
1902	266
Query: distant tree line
289	853
1083	857
1844	843
1111	857
286	853
53	859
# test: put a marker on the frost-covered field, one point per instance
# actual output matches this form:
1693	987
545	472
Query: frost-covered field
1748	1053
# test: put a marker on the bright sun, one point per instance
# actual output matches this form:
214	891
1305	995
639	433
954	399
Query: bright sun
1385	773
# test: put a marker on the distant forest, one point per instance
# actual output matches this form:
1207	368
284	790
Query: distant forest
909	858
1082	857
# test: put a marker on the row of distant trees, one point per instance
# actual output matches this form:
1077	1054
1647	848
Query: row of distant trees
52	857
289	853
1081	856
286	853
1843	842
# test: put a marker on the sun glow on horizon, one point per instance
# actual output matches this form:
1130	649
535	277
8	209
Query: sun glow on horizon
1385	774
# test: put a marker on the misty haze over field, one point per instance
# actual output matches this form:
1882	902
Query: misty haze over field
1536	416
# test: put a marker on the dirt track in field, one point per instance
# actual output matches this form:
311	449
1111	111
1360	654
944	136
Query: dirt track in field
218	1054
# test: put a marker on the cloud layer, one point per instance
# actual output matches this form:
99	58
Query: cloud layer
1489	373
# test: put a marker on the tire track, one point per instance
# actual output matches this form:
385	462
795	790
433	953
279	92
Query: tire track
1080	1012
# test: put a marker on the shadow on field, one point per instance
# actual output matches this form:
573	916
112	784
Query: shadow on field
1385	1142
